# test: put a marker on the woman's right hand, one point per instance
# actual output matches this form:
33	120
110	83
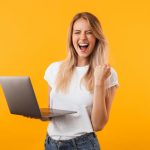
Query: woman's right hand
46	119
49	91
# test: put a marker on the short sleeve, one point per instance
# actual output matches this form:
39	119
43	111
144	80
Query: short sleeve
49	75
112	79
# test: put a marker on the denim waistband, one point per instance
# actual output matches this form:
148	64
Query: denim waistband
76	139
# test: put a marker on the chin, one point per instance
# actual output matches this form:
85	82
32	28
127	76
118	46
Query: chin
83	55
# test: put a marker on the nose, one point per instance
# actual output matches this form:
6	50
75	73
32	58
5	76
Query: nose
83	36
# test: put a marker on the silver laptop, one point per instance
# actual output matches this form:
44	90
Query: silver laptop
21	99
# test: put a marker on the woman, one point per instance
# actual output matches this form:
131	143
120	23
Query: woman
83	82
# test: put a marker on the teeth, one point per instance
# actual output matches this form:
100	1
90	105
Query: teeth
83	44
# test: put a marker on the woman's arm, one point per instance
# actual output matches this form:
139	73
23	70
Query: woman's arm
102	102
49	91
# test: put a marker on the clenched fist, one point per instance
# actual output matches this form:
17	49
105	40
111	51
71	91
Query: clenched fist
101	73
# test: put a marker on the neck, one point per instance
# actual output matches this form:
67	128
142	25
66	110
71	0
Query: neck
82	62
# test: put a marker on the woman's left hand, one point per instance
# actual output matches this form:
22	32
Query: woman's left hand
101	73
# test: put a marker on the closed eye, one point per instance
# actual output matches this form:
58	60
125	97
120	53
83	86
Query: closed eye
89	32
76	32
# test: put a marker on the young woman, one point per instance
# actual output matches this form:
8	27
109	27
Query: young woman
83	82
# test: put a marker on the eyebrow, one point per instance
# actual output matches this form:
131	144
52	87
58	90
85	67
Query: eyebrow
80	30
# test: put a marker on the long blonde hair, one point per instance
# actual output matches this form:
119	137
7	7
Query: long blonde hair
97	57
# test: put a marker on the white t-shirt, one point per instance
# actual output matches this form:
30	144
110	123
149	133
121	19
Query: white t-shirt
78	98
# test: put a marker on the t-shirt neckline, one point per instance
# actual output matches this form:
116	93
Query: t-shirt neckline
86	66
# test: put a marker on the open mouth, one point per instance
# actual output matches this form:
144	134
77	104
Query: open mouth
83	46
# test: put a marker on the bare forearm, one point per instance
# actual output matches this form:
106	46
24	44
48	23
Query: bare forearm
99	111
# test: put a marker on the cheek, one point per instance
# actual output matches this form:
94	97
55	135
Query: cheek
74	41
93	41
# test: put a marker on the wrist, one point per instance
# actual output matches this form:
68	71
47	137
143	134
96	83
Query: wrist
100	83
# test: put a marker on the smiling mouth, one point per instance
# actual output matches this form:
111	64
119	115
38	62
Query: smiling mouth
83	46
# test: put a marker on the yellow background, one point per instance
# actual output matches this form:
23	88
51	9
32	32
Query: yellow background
33	34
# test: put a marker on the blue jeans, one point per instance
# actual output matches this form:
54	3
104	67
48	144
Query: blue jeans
87	141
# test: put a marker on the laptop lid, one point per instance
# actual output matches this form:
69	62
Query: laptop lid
20	96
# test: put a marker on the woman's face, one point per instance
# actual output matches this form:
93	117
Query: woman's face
83	38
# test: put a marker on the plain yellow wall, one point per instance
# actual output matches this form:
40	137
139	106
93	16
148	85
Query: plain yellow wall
33	34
